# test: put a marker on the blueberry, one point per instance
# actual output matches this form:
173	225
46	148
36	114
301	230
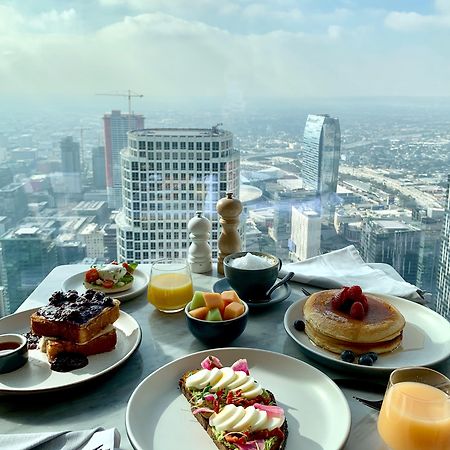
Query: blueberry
299	325
348	356
373	355
365	360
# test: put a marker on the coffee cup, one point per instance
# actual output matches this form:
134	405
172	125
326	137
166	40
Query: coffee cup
253	278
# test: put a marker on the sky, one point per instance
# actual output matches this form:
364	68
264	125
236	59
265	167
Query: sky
230	49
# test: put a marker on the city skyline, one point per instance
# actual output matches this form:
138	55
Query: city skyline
235	51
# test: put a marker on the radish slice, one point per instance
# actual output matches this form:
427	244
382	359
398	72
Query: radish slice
210	362
210	397
241	366
202	410
271	410
251	445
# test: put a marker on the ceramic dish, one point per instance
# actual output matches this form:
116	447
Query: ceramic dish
140	284
36	375
277	296
426	339
317	412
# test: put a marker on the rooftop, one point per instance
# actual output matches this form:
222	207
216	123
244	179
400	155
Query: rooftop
180	132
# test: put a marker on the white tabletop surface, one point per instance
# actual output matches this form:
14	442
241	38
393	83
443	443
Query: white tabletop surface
165	338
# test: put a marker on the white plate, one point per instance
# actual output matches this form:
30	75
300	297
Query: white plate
140	283
158	416
36	375
426	339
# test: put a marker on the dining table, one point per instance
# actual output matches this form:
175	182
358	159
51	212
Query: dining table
165	337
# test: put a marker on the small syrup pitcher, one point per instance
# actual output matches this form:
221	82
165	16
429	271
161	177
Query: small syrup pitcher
229	241
199	254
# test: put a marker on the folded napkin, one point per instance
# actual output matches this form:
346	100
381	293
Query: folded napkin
345	267
94	439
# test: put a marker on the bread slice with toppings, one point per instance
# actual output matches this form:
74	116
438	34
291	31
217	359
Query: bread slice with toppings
233	408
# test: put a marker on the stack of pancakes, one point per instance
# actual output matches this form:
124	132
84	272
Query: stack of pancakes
379	331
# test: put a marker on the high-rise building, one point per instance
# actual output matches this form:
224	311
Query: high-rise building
391	242
168	175
93	237
116	126
443	278
98	167
321	154
71	166
28	255
13	203
305	234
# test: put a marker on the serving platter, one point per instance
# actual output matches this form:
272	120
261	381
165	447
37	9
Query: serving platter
426	339
317	412
140	283
36	375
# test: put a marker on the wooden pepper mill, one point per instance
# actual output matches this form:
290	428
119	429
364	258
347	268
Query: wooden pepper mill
199	255
229	241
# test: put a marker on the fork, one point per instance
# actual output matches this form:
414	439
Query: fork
374	404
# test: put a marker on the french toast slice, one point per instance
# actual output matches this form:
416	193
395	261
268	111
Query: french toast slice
104	342
274	439
73	317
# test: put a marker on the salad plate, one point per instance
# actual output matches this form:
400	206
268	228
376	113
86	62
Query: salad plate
316	410
426	339
139	285
36	376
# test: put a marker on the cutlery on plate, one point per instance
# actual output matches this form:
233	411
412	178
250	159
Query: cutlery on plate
374	404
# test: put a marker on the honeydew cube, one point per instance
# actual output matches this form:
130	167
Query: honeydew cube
199	313
229	297
233	310
213	300
214	315
197	300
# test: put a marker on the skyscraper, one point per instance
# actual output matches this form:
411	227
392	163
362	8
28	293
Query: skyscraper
115	127
28	254
305	234
71	165
168	175
321	154
443	278
99	167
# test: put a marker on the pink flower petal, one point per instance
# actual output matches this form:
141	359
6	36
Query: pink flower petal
210	362
241	366
271	410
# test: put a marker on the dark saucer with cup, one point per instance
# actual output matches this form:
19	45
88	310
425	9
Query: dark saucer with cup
253	276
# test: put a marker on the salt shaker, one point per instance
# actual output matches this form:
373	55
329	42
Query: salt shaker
229	242
199	254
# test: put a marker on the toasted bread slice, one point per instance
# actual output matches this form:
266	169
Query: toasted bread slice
103	342
279	443
75	318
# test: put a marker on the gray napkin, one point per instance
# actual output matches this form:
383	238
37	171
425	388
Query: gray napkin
94	439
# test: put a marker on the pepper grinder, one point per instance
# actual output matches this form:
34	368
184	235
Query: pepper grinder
229	242
199	254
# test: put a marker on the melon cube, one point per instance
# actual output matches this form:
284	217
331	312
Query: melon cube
229	297
197	300
213	300
233	310
199	313
214	314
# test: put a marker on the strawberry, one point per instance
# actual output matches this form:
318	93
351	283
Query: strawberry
357	311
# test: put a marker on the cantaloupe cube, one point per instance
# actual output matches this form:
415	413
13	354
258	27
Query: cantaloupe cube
233	310
230	296
199	313
213	300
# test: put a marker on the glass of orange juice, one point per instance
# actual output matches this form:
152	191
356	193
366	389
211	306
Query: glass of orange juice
415	414
170	287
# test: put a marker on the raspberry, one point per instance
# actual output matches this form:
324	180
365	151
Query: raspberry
354	292
357	311
338	299
363	300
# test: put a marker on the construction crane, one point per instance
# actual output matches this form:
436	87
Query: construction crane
130	94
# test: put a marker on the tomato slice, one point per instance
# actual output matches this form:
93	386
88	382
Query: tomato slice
92	275
108	284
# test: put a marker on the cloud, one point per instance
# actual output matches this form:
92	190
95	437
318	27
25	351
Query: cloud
54	20
411	21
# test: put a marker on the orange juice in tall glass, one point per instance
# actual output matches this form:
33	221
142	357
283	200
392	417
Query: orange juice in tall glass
415	414
170	288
